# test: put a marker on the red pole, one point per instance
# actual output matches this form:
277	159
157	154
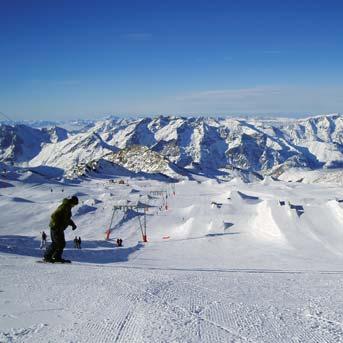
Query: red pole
108	232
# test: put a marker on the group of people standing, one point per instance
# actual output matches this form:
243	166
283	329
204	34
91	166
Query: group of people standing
77	242
44	237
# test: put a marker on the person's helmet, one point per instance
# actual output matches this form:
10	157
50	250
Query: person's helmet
74	200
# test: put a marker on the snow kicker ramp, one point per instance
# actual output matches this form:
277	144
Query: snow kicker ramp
318	230
260	232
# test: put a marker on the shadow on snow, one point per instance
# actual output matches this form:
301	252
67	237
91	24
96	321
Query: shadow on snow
99	252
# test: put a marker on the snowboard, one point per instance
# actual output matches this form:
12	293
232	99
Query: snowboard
42	261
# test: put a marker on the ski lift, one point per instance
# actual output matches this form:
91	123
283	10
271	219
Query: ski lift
125	208
164	195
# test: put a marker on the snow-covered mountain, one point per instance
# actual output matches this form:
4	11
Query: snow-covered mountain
21	143
79	125
138	158
171	145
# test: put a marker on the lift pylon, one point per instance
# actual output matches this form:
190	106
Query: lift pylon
125	208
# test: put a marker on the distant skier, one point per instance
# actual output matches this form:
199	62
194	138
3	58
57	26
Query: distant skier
76	242
79	243
119	242
60	220
43	240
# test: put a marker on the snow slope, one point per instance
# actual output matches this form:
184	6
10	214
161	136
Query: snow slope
224	262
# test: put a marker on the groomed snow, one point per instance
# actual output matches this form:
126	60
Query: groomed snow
226	262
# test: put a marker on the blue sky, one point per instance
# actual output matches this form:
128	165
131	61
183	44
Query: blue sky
63	59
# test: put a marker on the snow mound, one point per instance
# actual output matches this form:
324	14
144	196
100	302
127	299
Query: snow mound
324	176
248	198
265	227
182	231
83	209
80	194
337	210
211	182
133	191
92	202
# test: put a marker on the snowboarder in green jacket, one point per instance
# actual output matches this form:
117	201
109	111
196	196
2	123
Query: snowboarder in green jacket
60	220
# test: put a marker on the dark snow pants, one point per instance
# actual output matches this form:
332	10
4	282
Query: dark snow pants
57	245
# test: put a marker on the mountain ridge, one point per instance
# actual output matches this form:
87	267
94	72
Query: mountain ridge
204	145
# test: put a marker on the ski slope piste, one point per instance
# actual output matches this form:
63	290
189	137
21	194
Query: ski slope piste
221	262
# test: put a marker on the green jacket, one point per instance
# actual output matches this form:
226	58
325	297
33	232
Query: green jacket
61	218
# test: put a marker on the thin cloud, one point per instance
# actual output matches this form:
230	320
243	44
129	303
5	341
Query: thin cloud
229	95
137	36
296	99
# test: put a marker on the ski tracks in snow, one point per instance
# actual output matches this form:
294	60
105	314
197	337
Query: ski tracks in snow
17	335
189	317
150	306
113	304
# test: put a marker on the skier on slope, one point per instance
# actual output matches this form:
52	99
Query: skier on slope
60	220
43	240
